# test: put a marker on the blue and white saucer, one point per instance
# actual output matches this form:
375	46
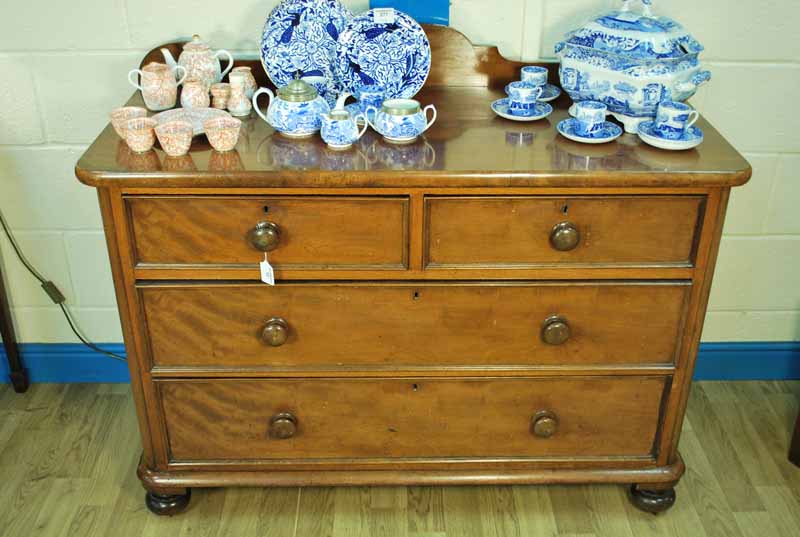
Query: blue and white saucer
550	92
608	133
690	139
541	111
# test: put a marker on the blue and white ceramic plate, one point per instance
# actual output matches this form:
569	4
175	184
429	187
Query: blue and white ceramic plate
690	139
551	92
541	111
300	38
384	47
608	133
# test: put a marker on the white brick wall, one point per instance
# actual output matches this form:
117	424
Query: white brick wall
61	73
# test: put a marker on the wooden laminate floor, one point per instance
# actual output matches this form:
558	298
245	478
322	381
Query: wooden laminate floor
68	455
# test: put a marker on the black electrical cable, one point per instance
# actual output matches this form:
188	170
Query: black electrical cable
53	292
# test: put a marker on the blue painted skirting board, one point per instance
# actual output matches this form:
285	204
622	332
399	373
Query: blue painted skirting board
748	361
72	362
68	362
423	11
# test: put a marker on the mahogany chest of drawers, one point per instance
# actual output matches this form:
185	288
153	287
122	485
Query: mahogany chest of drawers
492	304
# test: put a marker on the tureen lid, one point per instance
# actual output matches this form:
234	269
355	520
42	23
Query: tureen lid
196	44
297	91
638	35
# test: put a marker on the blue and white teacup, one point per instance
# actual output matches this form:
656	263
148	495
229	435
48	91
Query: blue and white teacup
522	98
673	119
590	116
533	74
370	95
340	129
401	120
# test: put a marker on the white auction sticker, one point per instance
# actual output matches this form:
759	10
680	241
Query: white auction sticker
384	15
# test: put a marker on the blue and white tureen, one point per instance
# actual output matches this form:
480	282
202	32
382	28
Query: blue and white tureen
631	61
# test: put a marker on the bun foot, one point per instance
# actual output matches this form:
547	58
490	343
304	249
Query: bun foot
167	504
652	501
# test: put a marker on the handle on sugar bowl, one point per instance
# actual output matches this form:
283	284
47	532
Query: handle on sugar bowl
433	117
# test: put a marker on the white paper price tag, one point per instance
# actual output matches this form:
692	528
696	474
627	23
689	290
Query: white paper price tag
267	274
384	15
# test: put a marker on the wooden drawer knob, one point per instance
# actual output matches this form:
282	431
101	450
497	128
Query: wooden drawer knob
276	332
282	426
565	237
265	237
555	330
544	424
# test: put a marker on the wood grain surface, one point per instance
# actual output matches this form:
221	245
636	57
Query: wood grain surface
315	233
421	418
332	326
515	231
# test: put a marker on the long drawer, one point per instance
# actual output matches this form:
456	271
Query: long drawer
411	418
335	325
519	231
319	233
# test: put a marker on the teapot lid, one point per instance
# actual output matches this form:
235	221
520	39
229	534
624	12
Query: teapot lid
298	91
196	44
642	36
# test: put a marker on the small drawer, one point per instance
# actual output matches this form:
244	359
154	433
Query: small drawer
332	326
298	232
411	418
514	232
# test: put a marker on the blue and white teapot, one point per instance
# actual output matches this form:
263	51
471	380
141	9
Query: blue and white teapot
297	110
631	61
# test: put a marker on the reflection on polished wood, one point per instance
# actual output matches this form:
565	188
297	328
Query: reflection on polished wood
467	146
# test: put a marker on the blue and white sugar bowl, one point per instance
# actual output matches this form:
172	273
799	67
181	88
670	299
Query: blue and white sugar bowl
401	121
297	110
340	128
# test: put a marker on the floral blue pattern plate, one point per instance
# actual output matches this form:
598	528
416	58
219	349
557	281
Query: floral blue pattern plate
384	47
541	111
550	92
608	133
300	38
690	139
